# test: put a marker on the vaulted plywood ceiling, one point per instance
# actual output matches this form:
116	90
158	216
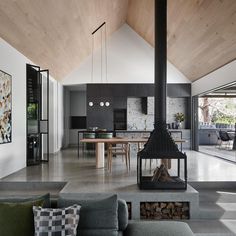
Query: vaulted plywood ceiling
56	34
201	33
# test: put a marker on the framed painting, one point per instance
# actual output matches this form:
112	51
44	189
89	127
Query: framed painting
5	108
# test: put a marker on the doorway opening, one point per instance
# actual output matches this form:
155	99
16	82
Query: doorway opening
216	116
37	105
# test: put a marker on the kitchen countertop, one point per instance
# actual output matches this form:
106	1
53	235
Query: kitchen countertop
127	131
133	131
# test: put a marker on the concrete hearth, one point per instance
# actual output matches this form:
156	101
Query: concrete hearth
132	194
22	189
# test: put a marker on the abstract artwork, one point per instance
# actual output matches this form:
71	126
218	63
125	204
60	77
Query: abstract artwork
5	108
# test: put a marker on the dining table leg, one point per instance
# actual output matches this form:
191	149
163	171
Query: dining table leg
100	155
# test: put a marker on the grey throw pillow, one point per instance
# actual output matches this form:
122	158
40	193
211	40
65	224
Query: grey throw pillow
56	222
97	217
95	214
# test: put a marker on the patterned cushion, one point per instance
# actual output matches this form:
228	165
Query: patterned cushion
56	222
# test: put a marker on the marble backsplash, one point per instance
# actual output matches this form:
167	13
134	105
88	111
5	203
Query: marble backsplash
137	120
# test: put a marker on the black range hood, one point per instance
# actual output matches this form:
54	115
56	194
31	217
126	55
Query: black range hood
160	144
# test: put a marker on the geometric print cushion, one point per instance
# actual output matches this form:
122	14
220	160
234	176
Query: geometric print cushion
56	222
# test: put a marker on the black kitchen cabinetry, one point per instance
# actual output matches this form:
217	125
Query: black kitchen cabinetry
117	94
120	119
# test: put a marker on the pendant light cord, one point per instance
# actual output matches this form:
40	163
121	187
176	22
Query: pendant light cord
103	48
106	51
101	55
92	59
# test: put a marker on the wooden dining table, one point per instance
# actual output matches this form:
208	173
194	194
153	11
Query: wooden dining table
100	146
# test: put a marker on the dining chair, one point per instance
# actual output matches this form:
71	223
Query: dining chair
123	149
88	146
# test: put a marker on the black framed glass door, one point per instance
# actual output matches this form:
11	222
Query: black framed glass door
37	93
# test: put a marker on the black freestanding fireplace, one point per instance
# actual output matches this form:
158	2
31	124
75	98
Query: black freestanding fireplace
171	170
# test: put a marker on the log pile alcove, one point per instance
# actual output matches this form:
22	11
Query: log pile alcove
164	210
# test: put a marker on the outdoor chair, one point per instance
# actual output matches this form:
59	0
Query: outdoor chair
224	139
218	143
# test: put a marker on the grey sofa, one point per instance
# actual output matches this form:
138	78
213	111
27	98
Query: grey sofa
109	217
106	217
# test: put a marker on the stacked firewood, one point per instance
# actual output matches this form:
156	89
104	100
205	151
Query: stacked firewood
161	174
164	210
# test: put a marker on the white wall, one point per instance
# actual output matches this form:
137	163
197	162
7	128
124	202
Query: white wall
130	60
55	115
174	75
66	118
58	116
13	155
60	119
220	77
52	115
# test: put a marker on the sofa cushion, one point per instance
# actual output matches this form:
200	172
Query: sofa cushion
158	228
17	218
97	217
122	211
61	222
123	214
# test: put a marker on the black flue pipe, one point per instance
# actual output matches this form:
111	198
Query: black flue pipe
160	61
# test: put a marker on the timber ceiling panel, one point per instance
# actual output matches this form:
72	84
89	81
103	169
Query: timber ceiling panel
201	33
141	18
56	34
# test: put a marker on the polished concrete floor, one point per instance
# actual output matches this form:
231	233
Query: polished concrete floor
226	153
217	207
65	166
